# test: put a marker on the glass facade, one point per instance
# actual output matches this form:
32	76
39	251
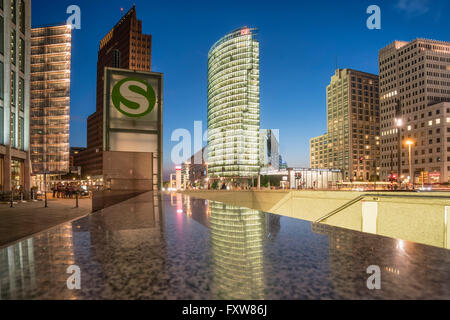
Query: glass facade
237	236
50	98
233	105
14	94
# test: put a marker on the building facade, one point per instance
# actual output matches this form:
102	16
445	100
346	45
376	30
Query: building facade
194	171
74	155
353	137
415	96
282	163
269	149
15	33
233	106
318	147
124	47
50	99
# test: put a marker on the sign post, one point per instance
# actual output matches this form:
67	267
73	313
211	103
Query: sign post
132	122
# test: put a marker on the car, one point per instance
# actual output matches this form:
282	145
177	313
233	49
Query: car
426	188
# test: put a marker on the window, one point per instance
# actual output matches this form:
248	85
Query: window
21	94
12	129
13	47
13	11
2	78
116	59
22	16
13	89
21	134
2	35
22	55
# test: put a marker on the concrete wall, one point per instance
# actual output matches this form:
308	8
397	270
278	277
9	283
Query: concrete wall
412	216
128	170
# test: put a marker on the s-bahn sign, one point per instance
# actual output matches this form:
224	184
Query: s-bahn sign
132	117
133	97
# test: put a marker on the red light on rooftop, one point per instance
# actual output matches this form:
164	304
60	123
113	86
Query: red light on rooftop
245	32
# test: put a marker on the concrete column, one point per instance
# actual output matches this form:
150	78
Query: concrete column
290	179
259	181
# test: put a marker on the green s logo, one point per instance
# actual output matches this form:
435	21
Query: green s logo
133	97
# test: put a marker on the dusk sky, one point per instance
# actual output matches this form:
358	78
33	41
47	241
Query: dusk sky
299	43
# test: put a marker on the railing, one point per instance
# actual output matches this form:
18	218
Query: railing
374	195
341	208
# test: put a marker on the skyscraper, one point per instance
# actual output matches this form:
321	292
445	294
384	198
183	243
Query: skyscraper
15	25
415	104
125	47
269	150
319	152
233	105
50	98
352	143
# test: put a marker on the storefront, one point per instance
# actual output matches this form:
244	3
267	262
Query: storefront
17	174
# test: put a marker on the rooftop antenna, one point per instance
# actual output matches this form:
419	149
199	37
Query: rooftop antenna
121	11
336	62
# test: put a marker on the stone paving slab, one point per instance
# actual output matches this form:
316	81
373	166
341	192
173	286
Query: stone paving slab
26	219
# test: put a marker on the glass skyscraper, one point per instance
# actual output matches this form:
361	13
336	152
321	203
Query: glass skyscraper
50	98
233	105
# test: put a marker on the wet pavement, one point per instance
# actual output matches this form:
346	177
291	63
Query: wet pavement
178	247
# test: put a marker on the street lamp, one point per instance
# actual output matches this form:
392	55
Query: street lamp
399	124
410	143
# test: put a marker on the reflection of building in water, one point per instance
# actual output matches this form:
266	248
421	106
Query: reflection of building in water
196	209
405	266
237	251
273	224
129	241
25	266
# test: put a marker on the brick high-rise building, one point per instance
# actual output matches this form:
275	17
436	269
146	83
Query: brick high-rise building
123	47
415	104
352	142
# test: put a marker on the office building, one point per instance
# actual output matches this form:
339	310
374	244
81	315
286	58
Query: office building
353	136
233	106
50	99
194	171
415	96
124	47
269	149
15	29
319	152
282	163
74	155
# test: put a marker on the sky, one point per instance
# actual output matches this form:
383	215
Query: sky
300	43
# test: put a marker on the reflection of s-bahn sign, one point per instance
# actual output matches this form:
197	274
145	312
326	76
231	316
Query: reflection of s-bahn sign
133	97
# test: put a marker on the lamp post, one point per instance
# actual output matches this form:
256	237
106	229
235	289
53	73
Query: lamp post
410	143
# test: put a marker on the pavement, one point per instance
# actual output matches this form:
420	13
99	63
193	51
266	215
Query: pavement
29	218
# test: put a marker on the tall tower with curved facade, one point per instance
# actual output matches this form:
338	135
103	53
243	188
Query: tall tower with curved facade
233	105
